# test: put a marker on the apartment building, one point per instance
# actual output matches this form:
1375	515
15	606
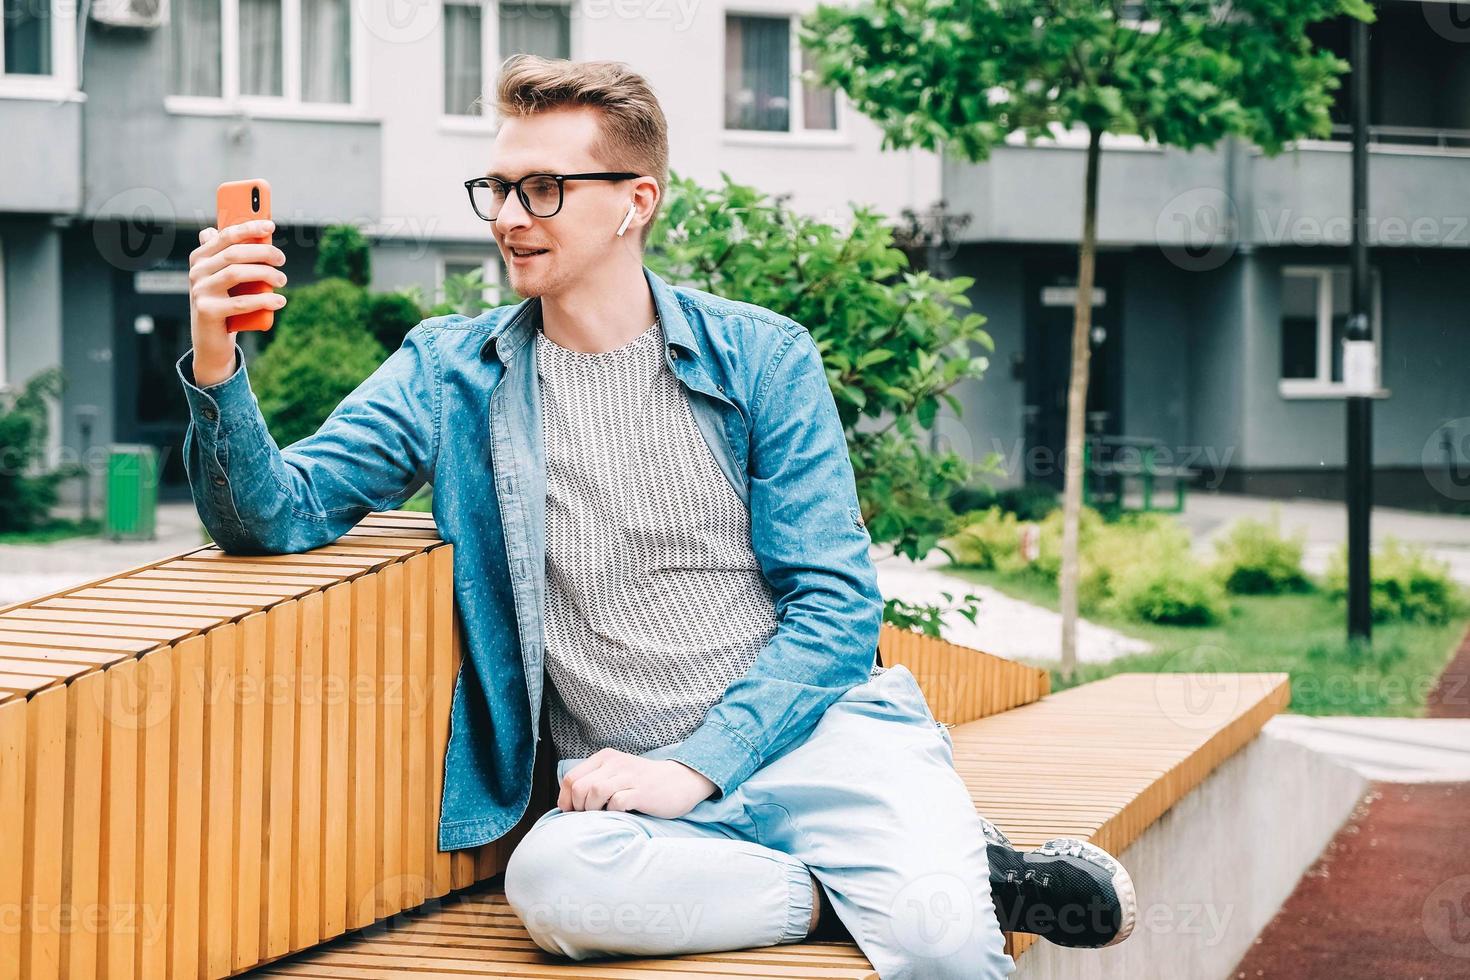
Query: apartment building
1222	273
118	127
1223	288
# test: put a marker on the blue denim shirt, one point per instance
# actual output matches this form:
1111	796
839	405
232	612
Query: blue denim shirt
458	406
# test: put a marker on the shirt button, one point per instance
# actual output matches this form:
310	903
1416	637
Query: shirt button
210	414
220	481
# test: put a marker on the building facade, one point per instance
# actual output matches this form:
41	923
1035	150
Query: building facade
119	127
1222	273
1223	289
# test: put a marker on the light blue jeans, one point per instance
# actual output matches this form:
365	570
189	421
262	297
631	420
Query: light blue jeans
869	803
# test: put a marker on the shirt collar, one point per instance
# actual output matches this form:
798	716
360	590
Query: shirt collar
517	327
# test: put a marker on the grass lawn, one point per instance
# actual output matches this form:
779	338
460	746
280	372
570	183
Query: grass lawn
1302	634
54	530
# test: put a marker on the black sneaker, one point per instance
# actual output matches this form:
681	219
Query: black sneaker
1067	891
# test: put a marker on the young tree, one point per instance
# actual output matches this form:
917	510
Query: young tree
959	77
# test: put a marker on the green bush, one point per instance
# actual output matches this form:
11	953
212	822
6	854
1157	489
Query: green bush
1255	559
390	316
1138	566
992	541
1172	590
344	254
1030	502
423	501
27	493
328	338
322	351
1408	585
972	498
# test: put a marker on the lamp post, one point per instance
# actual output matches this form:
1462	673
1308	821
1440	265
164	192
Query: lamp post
1359	366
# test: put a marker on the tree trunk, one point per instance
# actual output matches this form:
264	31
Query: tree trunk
1077	408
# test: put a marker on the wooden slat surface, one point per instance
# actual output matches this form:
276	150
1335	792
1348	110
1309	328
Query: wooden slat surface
1102	761
191	749
961	684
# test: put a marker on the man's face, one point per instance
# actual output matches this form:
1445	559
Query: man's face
583	231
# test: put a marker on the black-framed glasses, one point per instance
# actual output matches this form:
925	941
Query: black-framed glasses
541	194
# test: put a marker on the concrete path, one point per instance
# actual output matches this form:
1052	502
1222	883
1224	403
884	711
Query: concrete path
1390	750
1005	626
30	570
1324	523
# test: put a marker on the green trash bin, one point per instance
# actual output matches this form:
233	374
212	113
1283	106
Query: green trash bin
132	492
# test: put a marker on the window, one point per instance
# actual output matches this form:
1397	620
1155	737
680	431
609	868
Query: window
759	53
535	28
1315	304
27	37
269	51
529	28
195	39
463	64
38	49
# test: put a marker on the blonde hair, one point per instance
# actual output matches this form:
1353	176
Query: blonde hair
635	134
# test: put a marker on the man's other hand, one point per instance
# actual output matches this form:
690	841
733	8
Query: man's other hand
614	780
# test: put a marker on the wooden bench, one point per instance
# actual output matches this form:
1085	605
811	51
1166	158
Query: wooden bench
214	762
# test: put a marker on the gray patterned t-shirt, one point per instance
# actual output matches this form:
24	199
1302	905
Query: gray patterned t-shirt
654	598
655	601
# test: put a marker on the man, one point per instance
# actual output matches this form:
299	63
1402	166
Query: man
652	505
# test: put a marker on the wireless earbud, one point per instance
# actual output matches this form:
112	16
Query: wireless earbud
632	209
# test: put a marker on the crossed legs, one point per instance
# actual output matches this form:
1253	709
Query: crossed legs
869	804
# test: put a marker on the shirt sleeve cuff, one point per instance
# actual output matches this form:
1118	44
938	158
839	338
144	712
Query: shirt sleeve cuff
719	754
217	408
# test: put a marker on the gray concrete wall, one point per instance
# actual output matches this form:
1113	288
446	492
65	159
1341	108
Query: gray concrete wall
141	157
87	352
992	420
1215	337
1303	198
1034	194
41	165
1154	196
1426	336
1426	328
400	262
1212	872
33	315
1156	346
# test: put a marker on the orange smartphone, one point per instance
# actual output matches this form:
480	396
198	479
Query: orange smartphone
236	202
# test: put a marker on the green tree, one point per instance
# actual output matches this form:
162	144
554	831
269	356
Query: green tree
958	78
28	492
894	342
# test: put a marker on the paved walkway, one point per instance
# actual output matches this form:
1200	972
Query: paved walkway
1397	750
30	570
1005	627
1447	536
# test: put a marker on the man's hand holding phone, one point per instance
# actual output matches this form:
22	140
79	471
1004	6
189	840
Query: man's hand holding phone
225	258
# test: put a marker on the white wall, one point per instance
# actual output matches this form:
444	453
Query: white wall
678	45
